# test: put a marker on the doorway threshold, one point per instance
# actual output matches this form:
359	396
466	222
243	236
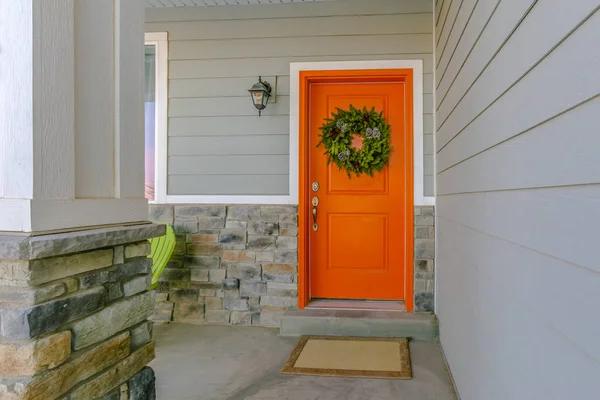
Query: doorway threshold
363	305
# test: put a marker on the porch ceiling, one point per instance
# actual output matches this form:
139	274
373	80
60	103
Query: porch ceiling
183	3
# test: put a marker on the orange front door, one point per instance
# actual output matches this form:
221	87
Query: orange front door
364	237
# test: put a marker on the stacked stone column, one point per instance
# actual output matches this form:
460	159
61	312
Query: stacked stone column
424	258
74	311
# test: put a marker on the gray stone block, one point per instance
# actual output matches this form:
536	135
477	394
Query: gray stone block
188	312
114	291
424	269
289	219
172	263
232	236
265	256
243	271
286	256
137	285
25	296
241	317
116	273
211	223
214	303
141	335
230	283
161	213
205	249
184	227
119	255
279	272
217	275
184	296
423	220
114	318
424	302
420	285
161	297
422	232
236	304
279	209
243	212
141	249
424	248
261	243
263	228
217	316
179	274
208	262
143	385
25	323
231	294
163	312
199	275
250	289
233	224
428	211
180	245
288	229
279	289
279	301
269	217
51	269
199	211
207	292
287	242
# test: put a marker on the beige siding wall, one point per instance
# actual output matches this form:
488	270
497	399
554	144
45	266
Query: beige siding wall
217	143
518	182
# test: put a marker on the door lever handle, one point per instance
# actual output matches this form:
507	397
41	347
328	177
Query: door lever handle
315	203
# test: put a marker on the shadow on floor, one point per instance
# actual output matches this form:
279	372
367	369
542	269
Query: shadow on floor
195	362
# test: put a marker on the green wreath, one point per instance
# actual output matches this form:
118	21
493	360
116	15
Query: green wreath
346	126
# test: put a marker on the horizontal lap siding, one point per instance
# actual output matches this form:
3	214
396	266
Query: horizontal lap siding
217	53
518	180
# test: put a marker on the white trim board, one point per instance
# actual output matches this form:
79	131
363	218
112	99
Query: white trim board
160	40
416	65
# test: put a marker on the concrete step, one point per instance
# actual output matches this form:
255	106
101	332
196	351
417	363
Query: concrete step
362	323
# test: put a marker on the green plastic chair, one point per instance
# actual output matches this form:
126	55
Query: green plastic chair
161	249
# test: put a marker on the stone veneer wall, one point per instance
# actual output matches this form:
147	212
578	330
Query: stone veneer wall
237	264
424	258
232	265
73	315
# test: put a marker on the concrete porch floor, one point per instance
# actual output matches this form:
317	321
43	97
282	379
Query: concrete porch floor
196	362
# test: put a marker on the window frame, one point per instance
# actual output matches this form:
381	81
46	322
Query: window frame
161	42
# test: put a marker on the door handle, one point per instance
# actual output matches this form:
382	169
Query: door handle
315	203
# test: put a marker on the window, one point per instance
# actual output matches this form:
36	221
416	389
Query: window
155	116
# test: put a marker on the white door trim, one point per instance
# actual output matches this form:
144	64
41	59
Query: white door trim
416	65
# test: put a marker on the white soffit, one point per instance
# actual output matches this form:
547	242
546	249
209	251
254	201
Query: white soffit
183	3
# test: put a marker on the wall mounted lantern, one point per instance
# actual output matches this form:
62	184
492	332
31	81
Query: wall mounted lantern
260	93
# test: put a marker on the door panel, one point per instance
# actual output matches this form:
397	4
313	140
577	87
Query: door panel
360	248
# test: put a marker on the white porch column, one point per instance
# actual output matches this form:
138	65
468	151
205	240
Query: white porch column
71	114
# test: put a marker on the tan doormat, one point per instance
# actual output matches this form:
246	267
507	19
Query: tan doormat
350	357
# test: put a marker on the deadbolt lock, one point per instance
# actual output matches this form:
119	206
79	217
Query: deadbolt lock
315	186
